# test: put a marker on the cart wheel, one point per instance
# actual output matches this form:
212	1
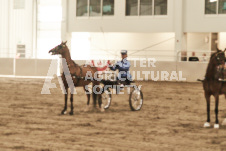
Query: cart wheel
106	98
136	100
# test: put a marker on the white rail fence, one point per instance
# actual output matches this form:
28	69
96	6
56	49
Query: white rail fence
33	67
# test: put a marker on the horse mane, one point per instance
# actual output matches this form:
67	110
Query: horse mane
213	55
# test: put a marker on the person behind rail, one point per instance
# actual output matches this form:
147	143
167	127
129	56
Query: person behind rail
193	57
204	58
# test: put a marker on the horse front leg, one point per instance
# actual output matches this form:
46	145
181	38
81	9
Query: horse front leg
207	123
101	106
216	125
94	99
72	108
88	101
99	98
88	97
87	94
64	111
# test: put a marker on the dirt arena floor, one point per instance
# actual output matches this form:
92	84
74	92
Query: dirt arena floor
171	118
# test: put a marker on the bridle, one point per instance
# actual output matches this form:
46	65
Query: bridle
57	48
217	57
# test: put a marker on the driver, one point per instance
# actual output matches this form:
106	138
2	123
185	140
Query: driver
123	68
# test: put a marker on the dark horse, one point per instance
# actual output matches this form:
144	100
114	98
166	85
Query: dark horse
212	85
78	75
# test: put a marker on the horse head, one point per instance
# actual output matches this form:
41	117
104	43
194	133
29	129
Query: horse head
59	49
218	57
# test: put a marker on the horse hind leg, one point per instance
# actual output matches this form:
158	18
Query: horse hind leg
216	125
224	121
207	123
101	105
97	96
88	99
98	93
94	99
64	111
72	108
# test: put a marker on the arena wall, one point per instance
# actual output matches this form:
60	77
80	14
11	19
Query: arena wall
6	66
40	67
32	67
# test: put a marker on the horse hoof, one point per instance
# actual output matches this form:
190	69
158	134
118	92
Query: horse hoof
102	108
64	112
207	124
71	113
216	126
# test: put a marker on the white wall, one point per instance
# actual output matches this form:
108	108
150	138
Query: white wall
49	26
184	16
196	20
108	45
4	36
222	40
117	32
119	22
192	13
133	41
196	41
16	27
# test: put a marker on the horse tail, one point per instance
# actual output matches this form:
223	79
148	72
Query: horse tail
94	95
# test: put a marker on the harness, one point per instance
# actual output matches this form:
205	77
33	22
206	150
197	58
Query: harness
221	69
75	76
78	77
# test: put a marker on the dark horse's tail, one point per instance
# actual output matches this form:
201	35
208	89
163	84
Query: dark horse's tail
201	80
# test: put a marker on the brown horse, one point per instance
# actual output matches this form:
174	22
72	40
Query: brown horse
212	85
78	75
